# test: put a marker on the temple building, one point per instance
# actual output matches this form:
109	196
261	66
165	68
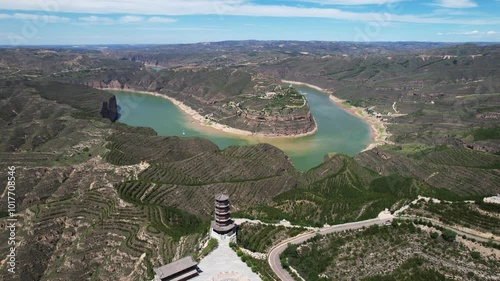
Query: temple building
223	224
180	270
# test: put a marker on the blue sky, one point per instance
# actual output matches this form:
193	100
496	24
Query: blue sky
75	22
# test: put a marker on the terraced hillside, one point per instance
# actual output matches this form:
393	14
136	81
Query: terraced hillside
343	190
477	216
81	184
100	201
250	175
463	171
66	204
132	147
398	252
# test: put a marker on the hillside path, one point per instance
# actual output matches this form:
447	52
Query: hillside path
275	252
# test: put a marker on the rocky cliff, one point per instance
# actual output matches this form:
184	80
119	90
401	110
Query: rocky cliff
113	84
110	109
211	91
279	125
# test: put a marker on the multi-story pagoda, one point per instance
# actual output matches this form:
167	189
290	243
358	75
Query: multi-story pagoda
223	223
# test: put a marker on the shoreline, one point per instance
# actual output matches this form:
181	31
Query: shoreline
378	130
193	114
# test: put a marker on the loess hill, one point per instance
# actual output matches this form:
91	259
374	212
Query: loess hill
403	251
103	200
88	204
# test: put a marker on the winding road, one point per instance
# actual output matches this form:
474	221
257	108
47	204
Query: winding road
274	254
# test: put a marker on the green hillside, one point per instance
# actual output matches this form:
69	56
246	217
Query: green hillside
98	200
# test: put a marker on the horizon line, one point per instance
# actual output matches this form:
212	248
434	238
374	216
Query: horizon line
249	40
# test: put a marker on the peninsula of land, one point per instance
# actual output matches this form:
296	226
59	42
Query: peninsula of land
208	122
378	130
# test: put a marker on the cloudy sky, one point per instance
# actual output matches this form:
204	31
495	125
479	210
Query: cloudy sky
76	22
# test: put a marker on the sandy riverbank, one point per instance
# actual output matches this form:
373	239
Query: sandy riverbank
308	85
378	130
194	115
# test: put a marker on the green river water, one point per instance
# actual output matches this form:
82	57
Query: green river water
338	131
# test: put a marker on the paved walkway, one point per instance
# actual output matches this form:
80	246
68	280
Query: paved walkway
223	264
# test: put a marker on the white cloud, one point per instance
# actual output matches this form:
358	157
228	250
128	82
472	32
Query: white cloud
157	8
129	19
454	12
95	19
182	29
33	17
474	33
456	3
351	2
378	18
137	7
124	20
161	20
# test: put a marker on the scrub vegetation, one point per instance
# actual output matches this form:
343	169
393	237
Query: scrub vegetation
398	252
260	238
98	200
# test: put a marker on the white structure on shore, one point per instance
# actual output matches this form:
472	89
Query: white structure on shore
492	199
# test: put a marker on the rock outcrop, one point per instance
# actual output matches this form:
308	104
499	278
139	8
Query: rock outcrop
195	88
100	84
110	109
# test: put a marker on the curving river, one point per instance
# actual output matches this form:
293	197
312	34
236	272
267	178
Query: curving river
338	131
